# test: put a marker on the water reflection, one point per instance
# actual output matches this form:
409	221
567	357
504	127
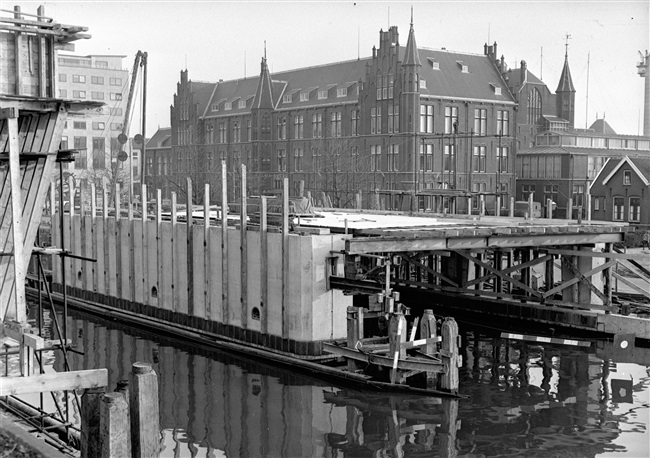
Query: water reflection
523	400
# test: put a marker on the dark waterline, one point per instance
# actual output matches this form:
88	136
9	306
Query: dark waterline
523	400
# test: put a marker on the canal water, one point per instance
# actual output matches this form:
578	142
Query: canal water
523	399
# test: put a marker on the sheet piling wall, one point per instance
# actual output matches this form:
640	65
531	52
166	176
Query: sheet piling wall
189	275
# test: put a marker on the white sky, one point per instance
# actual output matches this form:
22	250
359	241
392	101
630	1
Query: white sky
222	39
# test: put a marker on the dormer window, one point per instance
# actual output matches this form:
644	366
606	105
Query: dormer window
241	104
304	96
496	89
434	64
463	68
322	95
342	92
215	107
227	106
287	98
423	83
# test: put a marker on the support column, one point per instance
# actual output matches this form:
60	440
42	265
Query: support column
114	431
355	333
145	414
428	329
396	337
449	380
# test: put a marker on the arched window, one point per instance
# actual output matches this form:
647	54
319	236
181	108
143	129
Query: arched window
534	106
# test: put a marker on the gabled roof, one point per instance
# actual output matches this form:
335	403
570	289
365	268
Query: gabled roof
202	92
451	82
513	76
160	137
640	165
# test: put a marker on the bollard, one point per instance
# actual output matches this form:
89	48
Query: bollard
90	420
355	333
427	330
144	411
396	337
450	356
114	433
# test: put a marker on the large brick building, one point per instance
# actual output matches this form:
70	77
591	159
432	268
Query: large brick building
405	120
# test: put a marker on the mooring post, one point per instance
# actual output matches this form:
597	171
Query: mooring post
449	428
511	210
355	333
450	356
427	330
569	209
114	429
549	208
90	420
144	411
396	337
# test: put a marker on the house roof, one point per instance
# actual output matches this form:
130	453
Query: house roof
450	81
640	166
202	92
600	126
159	138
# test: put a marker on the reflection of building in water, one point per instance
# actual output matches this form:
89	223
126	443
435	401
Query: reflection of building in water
213	400
521	397
394	425
556	391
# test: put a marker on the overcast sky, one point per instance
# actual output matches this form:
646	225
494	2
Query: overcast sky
225	40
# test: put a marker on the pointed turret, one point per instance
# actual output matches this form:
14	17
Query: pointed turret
566	95
566	83
411	56
264	94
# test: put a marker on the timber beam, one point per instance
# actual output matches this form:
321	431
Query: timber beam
55	381
395	244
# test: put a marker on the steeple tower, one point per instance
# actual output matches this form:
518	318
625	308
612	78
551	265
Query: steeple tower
411	56
566	93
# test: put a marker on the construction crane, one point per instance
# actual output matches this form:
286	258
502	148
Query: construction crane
140	61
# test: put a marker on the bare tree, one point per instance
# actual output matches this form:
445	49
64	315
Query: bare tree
340	170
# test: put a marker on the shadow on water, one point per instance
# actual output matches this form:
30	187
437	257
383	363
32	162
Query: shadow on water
523	400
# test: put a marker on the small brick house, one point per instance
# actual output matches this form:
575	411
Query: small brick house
621	191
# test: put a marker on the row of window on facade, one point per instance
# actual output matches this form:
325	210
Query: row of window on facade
335	125
552	192
451	121
95	125
98	80
94	95
99	153
618	208
549	139
479	159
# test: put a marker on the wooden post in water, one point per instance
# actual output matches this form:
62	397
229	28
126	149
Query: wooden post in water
285	255
206	247
428	329
511	210
145	423
450	357
243	240
224	244
264	326
355	333
114	427
396	337
90	420
189	264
